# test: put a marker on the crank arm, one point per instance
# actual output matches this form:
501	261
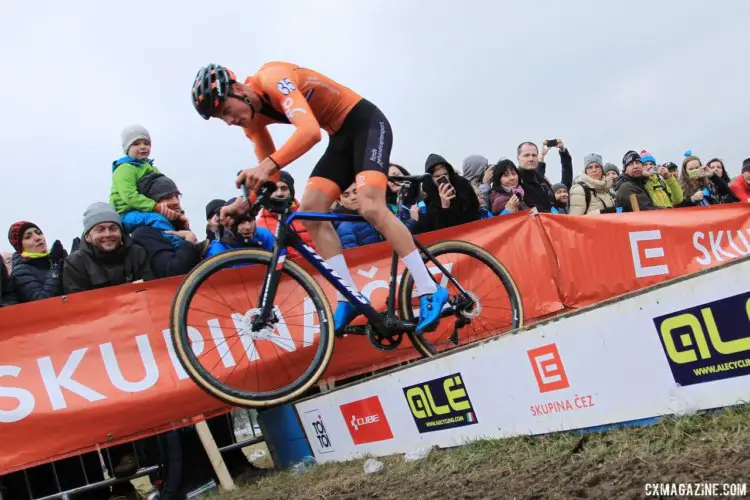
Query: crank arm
356	330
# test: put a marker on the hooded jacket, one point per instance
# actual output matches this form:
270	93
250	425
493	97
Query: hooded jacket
463	208
164	259
35	279
269	220
355	234
7	288
600	199
474	167
625	186
537	189
124	197
740	189
87	268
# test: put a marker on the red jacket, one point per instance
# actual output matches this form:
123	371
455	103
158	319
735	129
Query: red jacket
270	220
740	189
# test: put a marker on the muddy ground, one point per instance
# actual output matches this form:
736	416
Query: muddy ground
713	447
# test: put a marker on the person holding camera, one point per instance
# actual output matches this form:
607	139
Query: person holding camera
450	199
701	184
662	186
538	192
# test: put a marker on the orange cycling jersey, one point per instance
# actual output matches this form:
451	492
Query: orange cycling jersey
303	97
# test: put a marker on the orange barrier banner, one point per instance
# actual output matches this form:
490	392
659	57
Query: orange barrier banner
601	257
98	368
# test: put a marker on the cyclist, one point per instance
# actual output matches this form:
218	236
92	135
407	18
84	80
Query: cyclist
358	151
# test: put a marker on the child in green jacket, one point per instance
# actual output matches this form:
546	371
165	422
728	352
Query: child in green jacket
133	207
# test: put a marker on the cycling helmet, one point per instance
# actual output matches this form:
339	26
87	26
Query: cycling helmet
212	85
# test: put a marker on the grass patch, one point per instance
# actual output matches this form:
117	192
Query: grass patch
705	447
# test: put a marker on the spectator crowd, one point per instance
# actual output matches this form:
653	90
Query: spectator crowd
143	233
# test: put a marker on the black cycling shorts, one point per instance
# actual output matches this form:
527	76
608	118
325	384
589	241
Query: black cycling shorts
362	144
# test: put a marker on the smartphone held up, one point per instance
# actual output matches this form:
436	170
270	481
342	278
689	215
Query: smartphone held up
443	181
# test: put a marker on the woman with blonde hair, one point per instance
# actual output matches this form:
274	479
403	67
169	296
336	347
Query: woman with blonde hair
700	184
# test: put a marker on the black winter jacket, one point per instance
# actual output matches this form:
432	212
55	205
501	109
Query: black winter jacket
537	191
464	207
625	186
88	269
35	279
7	289
164	259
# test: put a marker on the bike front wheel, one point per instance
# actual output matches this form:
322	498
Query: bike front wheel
225	350
496	302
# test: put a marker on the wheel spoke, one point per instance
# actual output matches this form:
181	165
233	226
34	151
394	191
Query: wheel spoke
494	302
251	364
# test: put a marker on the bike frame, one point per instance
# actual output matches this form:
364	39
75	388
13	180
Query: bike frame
285	237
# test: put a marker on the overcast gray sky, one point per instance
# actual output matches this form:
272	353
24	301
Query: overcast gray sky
454	78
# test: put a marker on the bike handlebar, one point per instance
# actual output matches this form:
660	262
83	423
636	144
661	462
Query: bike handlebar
408	178
262	196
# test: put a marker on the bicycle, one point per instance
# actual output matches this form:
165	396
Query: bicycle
263	326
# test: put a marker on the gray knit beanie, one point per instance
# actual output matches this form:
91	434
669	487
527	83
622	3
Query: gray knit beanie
592	158
131	134
97	213
611	167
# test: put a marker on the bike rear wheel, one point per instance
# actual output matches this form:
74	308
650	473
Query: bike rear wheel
251	367
498	306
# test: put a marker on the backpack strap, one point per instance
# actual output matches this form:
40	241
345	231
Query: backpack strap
587	193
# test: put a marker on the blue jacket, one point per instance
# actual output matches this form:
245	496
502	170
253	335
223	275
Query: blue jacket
355	234
261	239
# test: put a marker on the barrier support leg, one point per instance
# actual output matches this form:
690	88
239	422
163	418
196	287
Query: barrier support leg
214	455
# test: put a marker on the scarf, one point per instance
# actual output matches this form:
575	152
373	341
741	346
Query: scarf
32	255
518	190
597	185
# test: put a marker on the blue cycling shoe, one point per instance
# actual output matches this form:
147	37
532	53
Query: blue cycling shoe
345	314
430	306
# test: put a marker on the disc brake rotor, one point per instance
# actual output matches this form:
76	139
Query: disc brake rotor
474	310
247	322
